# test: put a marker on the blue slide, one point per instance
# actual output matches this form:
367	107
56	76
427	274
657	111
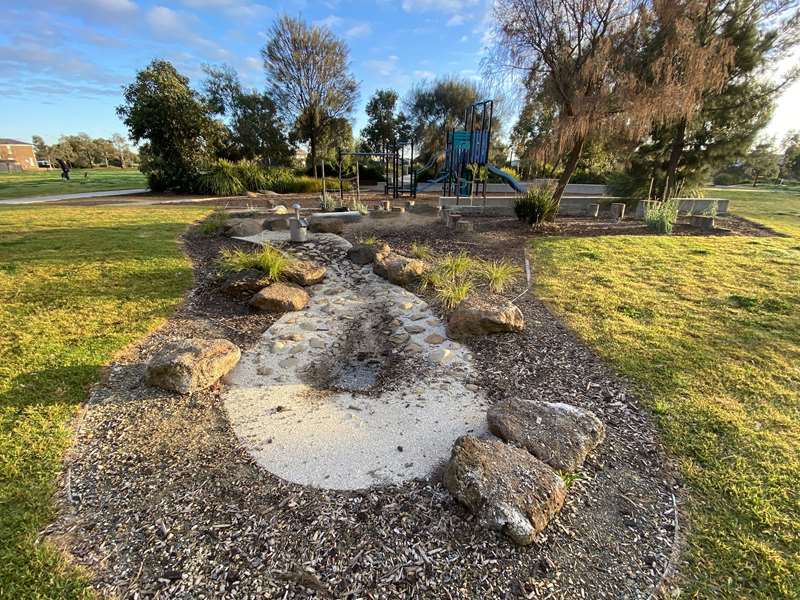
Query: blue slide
510	180
421	187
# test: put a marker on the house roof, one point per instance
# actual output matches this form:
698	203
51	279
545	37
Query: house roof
10	142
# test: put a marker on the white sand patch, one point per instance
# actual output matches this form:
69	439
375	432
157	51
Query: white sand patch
294	397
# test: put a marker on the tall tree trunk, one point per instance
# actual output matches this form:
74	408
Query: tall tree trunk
569	168
675	154
313	146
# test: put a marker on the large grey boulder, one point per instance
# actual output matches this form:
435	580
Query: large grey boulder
505	487
243	227
279	298
304	272
366	254
477	317
242	283
398	269
185	366
558	434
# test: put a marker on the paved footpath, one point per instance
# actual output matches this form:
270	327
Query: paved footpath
57	197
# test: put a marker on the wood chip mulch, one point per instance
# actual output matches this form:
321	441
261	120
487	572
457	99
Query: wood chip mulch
160	501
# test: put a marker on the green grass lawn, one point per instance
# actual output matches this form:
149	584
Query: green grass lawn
708	332
48	182
76	286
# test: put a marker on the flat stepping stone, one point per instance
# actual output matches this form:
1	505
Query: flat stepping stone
558	434
434	339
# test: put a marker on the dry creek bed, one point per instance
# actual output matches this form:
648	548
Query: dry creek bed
159	500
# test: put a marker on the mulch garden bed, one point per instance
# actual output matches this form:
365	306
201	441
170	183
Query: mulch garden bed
160	500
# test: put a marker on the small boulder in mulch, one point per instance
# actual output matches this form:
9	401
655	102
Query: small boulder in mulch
246	282
398	269
280	210
280	298
478	317
185	366
505	487
365	254
327	226
276	224
243	227
558	434
304	272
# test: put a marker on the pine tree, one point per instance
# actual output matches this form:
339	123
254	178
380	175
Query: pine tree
727	122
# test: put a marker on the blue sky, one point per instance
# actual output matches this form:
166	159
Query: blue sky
62	63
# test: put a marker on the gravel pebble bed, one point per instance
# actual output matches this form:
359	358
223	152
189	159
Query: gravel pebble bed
159	500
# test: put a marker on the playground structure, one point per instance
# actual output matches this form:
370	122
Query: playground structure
464	172
393	157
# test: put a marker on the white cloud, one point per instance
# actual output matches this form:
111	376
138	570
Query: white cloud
234	9
358	30
424	74
455	21
384	68
446	6
112	6
331	22
165	21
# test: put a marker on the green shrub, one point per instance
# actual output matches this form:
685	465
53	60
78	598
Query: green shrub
328	202
420	251
662	216
727	179
624	185
453	292
500	274
213	224
220	179
252	175
458	265
269	259
537	206
452	278
156	181
360	207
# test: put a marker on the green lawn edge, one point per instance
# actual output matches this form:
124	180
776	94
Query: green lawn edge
77	285
707	331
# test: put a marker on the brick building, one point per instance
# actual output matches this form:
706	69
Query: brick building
16	155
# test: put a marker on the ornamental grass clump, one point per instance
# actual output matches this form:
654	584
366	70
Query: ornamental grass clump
537	206
269	259
421	251
500	274
452	278
220	179
661	217
214	223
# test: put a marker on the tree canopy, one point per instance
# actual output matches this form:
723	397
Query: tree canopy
435	106
610	67
255	130
309	78
385	124
726	121
173	123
